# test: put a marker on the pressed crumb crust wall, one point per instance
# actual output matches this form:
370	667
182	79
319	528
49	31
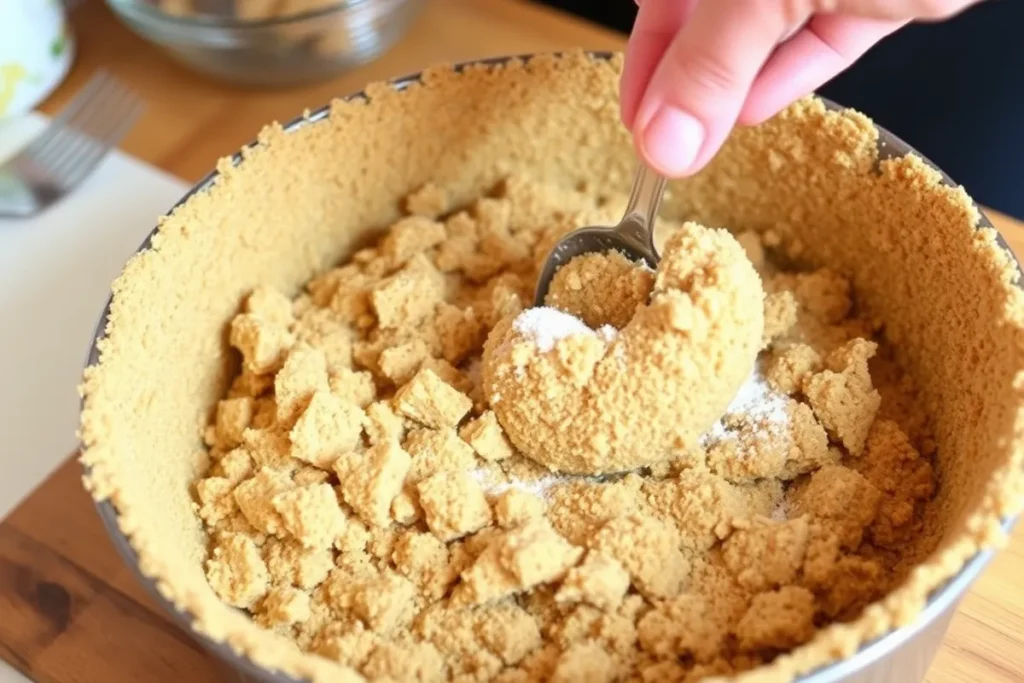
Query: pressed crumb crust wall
944	293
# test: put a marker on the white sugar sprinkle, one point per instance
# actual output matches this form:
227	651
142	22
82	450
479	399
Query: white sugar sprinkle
758	402
547	326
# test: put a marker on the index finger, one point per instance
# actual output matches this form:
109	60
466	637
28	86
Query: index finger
701	83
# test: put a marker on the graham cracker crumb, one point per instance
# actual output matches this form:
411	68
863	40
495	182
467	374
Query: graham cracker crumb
270	305
449	374
777	620
434	451
649	550
424	560
780	315
509	632
385	603
824	293
789	365
842	396
371	480
351	649
453	505
290	563
503	296
841	499
306	475
430	401
516	561
679	626
460	330
237	572
255	499
410	295
262	344
413	662
234	415
382	424
215	499
486	437
310	514
326	428
303	374
429	200
250	383
619	284
599	581
405	508
353	387
270	448
284	606
515	507
410	236
399	363
902	476
767	554
584	662
321	329
756	447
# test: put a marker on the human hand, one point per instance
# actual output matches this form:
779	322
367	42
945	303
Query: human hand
695	68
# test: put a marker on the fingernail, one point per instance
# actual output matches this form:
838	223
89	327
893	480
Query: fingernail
672	140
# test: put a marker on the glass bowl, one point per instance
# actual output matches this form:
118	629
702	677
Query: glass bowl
230	41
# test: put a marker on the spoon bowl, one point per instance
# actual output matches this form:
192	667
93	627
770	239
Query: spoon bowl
633	237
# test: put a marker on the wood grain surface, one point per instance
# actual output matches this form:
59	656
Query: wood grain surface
70	610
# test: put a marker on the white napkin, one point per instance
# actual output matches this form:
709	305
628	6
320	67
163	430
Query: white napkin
55	275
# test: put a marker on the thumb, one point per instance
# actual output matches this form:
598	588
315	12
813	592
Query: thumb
701	82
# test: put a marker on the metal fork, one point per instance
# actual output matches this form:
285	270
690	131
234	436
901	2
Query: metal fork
70	148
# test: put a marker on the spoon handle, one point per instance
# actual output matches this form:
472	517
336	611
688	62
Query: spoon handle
645	200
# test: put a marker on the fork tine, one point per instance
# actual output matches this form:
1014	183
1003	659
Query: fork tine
76	170
109	115
92	107
81	133
57	124
99	127
74	143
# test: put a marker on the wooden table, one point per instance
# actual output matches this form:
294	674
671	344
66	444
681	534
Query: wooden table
69	608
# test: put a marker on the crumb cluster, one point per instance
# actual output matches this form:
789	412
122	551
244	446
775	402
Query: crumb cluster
659	355
365	500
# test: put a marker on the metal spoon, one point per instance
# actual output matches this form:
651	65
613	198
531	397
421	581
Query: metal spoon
633	236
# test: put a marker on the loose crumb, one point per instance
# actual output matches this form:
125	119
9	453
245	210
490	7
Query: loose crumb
427	399
453	504
600	581
487	438
777	620
515	507
284	606
622	285
326	428
842	396
310	514
371	480
237	572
